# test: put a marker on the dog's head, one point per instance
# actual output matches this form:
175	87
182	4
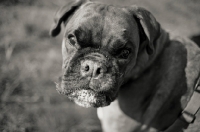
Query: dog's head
100	48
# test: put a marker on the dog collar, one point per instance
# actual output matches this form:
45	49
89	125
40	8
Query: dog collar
188	115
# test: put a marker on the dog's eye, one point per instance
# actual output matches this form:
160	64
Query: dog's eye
124	54
72	39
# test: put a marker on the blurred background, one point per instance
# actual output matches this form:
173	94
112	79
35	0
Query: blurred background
30	63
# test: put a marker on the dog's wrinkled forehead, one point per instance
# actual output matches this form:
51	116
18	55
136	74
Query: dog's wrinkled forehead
96	23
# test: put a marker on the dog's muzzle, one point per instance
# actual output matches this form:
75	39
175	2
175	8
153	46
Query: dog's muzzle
91	80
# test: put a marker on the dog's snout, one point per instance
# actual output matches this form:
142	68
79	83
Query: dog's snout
93	69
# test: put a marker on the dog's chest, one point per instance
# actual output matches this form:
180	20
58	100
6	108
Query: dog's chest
114	120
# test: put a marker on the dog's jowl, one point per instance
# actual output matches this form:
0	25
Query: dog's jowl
120	60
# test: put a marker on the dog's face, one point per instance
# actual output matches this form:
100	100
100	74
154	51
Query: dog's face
100	48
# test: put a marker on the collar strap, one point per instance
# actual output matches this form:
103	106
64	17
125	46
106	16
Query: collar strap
188	115
193	105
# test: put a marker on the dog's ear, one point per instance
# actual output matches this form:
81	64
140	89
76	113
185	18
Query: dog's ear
63	14
149	28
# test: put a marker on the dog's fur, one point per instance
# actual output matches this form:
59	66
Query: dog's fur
122	55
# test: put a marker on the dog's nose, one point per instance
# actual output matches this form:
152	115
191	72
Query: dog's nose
91	68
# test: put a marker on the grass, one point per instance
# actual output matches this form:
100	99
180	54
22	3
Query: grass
30	62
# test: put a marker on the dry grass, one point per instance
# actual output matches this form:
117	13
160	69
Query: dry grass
30	62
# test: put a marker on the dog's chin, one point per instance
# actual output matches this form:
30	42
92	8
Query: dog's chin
89	98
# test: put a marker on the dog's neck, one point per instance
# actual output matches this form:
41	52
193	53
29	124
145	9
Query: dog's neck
149	87
140	101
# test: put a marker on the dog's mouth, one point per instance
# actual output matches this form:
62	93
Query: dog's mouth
88	97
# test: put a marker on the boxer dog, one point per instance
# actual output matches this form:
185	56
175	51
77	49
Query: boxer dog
121	61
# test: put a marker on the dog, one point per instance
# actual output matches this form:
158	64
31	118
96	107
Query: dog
121	61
